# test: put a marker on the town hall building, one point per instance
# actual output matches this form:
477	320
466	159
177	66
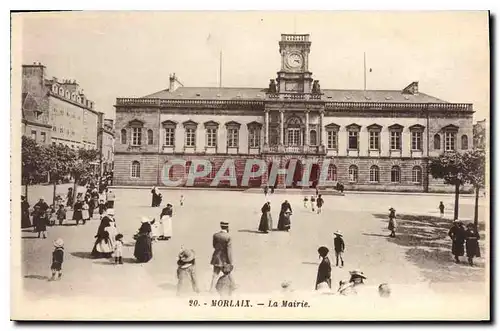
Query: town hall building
373	139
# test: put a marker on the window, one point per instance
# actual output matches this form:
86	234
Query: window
150	137
375	140
449	141
374	174
169	136
465	142
136	169
395	174
416	140
33	134
353	174
190	137
416	175
313	138
44	137
353	140
293	137
332	139
61	130
332	172
254	138
211	137
396	140
232	137
136	136
437	141
123	136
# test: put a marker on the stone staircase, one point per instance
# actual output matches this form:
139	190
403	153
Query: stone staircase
297	191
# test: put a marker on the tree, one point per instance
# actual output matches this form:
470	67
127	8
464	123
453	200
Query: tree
452	168
475	174
83	167
32	163
58	162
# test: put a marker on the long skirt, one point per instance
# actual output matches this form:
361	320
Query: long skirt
457	248
165	228
266	222
143	250
103	248
85	214
284	222
77	215
25	220
472	248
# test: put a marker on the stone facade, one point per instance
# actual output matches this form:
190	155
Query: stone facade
374	140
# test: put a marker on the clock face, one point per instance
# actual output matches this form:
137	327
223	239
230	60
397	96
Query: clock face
294	60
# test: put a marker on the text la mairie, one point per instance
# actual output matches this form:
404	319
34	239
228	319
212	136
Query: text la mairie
375	139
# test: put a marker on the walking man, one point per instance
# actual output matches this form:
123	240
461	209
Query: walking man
339	246
222	252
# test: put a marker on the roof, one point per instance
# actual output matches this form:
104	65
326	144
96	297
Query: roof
244	93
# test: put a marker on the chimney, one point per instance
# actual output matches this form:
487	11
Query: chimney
411	89
174	83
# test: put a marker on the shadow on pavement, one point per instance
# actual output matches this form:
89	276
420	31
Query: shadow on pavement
252	231
37	277
429	247
311	263
83	255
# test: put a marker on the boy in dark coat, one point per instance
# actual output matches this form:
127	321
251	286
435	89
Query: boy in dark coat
61	214
339	246
319	203
57	259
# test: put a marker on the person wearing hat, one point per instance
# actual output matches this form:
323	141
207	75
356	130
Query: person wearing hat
222	252
472	243
457	236
77	211
165	228
143	250
392	222
103	245
57	259
357	279
110	198
339	246
42	204
266	220
186	273
324	274
25	213
284	222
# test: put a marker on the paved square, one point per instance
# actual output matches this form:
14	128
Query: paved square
420	252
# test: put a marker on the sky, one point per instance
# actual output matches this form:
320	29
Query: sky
132	54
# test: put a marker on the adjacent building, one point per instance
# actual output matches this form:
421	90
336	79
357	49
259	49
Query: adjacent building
107	145
374	139
480	134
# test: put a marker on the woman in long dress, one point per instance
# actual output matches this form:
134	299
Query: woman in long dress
153	196
166	222
77	212
103	246
25	213
284	218
472	243
324	274
143	250
266	221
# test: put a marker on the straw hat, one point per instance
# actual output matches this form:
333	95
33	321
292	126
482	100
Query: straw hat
59	243
224	224
338	233
144	219
357	273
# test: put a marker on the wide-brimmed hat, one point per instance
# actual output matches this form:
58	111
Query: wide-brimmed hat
110	211
392	208
323	250
145	219
224	224
59	243
187	255
338	233
169	205
357	273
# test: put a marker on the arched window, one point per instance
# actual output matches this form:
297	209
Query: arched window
374	174
437	141
68	95
353	174
61	91
54	88
395	174
136	169
465	142
332	172
313	138
416	175
150	137
123	134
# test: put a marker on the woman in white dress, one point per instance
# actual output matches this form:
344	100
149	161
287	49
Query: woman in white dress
166	223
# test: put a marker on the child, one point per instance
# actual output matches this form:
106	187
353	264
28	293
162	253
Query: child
102	208
57	259
313	202
339	246
186	272
61	214
441	209
305	202
85	211
384	290
319	203
182	200
51	215
392	222
225	285
118	249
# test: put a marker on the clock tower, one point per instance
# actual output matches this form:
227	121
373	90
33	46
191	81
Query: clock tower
294	76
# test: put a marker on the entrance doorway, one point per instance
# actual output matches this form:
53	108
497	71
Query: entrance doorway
314	176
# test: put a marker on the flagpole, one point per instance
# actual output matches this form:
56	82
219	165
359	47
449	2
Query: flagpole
364	70
220	70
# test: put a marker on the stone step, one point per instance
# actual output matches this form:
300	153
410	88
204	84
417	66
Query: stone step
297	191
